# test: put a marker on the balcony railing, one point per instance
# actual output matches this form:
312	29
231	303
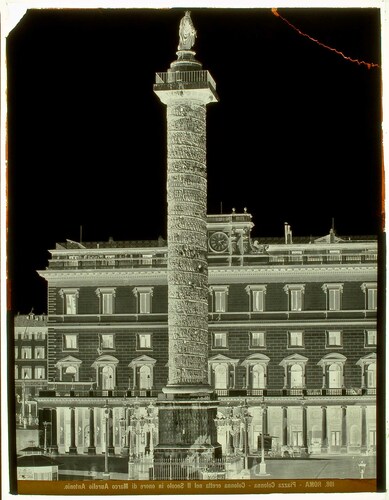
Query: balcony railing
185	77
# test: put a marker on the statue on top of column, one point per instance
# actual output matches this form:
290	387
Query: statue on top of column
187	33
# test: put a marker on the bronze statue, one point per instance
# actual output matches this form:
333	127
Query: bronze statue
187	33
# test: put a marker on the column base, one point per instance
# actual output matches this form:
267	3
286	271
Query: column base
324	450
73	450
343	450
53	450
111	451
363	450
91	450
125	451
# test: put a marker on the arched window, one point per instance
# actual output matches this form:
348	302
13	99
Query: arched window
145	377
69	374
221	376
258	376
107	377
296	376
371	375
334	376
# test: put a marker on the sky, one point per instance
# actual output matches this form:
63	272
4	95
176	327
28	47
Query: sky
295	136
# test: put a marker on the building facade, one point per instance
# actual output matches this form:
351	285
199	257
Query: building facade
292	333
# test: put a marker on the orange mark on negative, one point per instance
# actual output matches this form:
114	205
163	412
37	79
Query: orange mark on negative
367	64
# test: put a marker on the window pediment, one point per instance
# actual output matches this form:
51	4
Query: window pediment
68	360
220	358
294	358
142	360
256	358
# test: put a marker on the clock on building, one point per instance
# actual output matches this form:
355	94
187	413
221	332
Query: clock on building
218	242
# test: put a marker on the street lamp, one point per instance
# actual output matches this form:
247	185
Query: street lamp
45	424
246	418
262	465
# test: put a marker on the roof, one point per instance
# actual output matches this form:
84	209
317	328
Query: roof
69	244
30	320
35	461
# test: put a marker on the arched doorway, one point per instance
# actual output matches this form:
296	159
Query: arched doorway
221	376
334	376
145	377
107	375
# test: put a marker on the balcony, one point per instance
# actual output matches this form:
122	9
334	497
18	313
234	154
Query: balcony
187	77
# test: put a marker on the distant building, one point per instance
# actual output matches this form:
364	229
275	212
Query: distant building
30	353
33	465
292	330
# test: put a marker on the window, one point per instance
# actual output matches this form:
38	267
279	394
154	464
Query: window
294	371
370	291
26	352
26	372
107	341
70	296
296	339
220	340
16	352
39	353
144	341
258	376
297	438
70	341
295	297
335	438
143	296
333	293
372	299
333	370
370	338
40	336
143	370
334	338
219	296
257	340
334	376
371	376
106	296
221	376
147	260
39	372
257	297
16	372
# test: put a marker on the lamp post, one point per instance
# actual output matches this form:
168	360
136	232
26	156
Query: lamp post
246	418
124	429
106	416
45	424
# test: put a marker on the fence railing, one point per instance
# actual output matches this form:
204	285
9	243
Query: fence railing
195	467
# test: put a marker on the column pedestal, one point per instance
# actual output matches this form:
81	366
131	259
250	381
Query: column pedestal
186	428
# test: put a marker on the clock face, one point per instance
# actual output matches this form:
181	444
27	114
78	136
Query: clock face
218	242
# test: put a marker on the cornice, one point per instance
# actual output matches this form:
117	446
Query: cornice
228	274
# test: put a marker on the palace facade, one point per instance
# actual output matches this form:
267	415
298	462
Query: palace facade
292	334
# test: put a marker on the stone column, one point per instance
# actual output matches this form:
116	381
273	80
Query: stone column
284	426
265	421
343	448
111	448
185	425
91	447
53	448
73	447
363	430
186	90
304	429
324	431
